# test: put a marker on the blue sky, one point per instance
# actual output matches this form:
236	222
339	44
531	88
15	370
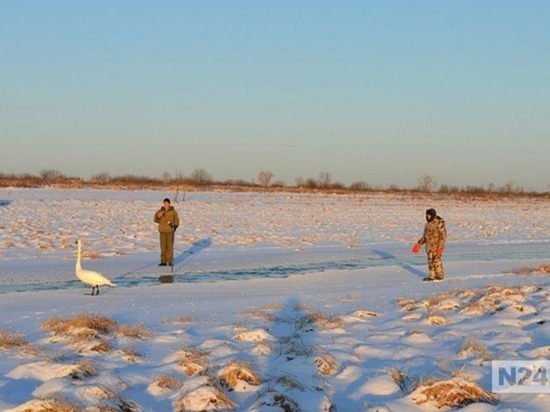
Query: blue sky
375	91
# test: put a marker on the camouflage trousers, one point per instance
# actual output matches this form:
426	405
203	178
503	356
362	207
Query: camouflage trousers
435	266
166	247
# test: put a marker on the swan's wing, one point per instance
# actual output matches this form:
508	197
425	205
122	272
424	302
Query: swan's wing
93	278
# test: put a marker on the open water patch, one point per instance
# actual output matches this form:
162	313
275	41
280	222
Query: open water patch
150	275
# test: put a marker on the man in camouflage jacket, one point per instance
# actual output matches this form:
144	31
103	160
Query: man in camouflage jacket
434	238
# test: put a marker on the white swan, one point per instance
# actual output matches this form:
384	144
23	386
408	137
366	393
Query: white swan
90	277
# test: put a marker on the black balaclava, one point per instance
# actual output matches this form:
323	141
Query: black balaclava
430	214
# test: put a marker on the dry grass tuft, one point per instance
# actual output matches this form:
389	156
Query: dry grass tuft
193	361
258	314
263	349
408	304
402	380
473	309
453	393
365	314
204	398
239	371
437	319
287	382
326	364
101	347
430	303
131	355
56	403
448	304
134	332
541	270
326	322
280	400
180	319
471	345
83	370
167	382
118	404
83	324
191	353
10	340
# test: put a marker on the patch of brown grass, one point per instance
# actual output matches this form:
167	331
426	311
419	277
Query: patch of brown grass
541	270
191	353
180	319
167	382
365	314
210	399
134	332
258	314
55	403
101	347
194	361
326	364
327	322
471	345
437	319
406	303
10	340
83	324
473	309
239	371
453	393
130	354
83	370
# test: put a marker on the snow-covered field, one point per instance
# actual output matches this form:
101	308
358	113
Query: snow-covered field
289	302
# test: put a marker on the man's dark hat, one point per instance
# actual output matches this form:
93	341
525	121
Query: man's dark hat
166	200
431	212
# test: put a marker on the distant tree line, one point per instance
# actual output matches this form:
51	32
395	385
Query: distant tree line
201	179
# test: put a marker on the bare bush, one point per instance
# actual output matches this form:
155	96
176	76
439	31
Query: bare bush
360	186
325	180
201	177
103	177
427	183
264	178
51	175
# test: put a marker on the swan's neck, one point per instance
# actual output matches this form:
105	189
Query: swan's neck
78	266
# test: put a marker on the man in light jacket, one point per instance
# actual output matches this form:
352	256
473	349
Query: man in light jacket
168	221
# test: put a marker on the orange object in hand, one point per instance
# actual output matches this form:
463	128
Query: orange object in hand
416	248
439	251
